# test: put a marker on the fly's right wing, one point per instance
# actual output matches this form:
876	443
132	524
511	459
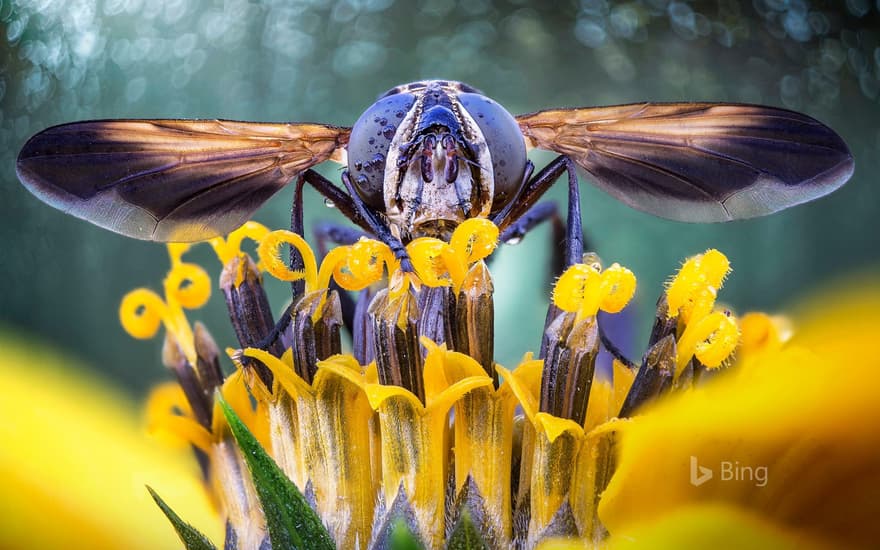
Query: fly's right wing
697	162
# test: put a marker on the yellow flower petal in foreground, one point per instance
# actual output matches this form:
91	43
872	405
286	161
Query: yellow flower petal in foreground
329	428
790	436
413	438
75	460
564	465
483	435
710	526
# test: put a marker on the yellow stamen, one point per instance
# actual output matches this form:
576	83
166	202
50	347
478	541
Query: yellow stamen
441	264
357	266
474	240
270	257
694	288
141	313
189	285
426	254
711	339
228	248
186	286
583	289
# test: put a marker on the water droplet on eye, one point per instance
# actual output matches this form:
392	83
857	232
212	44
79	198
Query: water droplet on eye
382	121
328	203
378	158
371	141
513	241
399	114
388	131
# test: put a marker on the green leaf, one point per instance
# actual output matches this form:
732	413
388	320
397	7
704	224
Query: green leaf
192	538
291	521
402	538
465	535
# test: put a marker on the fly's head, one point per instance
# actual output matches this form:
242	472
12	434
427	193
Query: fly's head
429	155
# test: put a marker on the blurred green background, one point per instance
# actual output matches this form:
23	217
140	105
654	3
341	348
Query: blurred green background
326	60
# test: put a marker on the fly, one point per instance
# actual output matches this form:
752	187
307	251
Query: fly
428	155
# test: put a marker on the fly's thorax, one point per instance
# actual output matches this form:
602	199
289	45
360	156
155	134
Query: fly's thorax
439	169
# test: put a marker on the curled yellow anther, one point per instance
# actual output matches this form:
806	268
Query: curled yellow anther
176	251
188	284
711	339
441	264
357	266
230	247
427	258
693	290
141	313
583	289
270	258
474	240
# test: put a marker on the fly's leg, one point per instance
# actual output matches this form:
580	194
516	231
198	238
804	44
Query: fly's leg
378	227
532	192
330	233
545	211
517	214
342	202
352	207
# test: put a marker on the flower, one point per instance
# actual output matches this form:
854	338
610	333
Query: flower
417	434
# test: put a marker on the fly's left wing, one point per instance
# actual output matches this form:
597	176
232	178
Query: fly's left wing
697	162
170	180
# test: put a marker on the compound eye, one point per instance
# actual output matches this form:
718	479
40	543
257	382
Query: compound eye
505	142
369	143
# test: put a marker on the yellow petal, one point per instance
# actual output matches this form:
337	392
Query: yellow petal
791	436
525	384
711	526
336	444
434	371
75	459
553	426
283	372
483	447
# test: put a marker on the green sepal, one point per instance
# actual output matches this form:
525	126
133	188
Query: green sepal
402	538
465	535
290	520
191	537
